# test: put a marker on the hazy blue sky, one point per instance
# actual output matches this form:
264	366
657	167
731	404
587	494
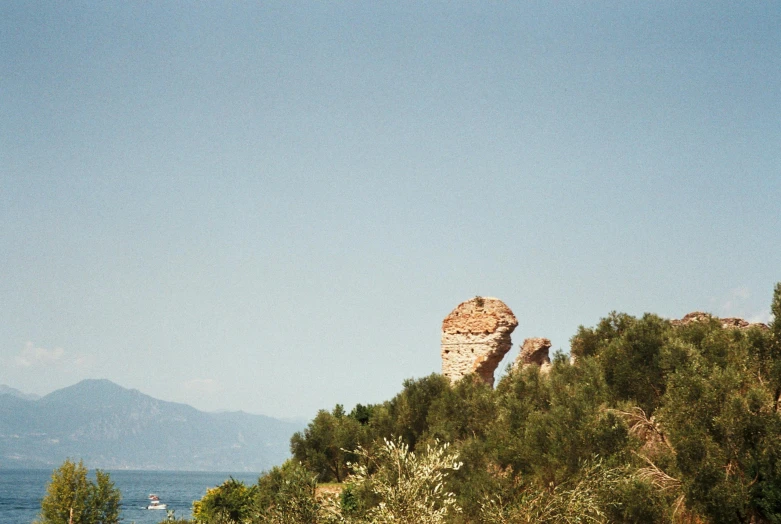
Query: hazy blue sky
272	206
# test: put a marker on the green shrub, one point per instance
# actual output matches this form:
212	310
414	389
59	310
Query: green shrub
72	498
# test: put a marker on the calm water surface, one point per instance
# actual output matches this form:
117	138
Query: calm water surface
21	492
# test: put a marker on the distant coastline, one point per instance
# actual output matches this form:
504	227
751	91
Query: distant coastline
115	428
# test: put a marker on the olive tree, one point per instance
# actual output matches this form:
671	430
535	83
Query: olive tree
409	486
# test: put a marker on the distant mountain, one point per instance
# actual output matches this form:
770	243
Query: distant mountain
111	427
7	390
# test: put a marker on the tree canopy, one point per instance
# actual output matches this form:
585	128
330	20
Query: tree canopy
72	498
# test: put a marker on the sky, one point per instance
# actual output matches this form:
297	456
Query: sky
272	206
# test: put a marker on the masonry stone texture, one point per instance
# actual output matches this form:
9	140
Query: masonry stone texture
534	351
475	338
726	322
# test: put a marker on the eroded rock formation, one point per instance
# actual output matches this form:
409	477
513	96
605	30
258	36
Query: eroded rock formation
726	322
475	338
534	351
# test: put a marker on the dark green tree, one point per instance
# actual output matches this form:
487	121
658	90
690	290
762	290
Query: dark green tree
409	410
589	342
632	362
720	417
362	414
548	424
465	410
321	446
775	309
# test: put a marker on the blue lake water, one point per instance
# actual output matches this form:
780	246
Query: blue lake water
21	492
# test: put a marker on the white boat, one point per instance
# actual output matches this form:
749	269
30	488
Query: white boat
154	502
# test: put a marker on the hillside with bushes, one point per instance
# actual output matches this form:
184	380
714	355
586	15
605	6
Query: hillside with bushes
646	421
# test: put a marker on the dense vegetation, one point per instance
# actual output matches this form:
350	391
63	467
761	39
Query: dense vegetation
648	422
72	498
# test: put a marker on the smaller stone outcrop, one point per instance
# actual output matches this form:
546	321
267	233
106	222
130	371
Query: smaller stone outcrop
726	322
475	338
534	352
734	322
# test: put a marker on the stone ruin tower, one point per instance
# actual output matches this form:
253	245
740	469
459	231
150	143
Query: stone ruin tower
475	338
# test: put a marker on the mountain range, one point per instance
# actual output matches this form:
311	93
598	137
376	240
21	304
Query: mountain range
111	427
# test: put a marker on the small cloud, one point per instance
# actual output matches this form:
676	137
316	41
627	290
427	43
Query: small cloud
763	316
736	302
82	361
32	356
203	385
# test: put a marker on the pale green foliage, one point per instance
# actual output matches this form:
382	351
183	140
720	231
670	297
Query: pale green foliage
561	504
229	502
410	486
72	497
295	501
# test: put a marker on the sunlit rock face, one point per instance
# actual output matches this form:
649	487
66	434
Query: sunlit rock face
535	351
475	338
726	322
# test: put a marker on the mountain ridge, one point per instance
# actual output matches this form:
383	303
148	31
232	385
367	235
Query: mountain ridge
8	390
112	427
